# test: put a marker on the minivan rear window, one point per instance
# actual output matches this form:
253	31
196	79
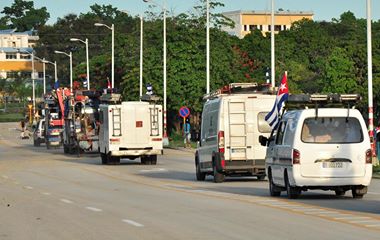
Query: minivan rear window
332	130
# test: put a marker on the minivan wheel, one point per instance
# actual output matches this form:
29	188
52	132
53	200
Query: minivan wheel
292	192
218	177
200	175
273	189
359	191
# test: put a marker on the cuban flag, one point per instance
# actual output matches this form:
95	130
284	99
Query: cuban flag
282	95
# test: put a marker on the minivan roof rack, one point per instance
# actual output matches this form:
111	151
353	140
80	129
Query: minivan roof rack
239	88
299	101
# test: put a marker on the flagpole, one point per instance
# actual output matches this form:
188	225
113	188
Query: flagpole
369	62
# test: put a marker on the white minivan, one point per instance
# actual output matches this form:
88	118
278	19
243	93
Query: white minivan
232	120
324	147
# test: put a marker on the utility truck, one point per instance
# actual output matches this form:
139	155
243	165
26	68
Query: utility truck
81	122
130	129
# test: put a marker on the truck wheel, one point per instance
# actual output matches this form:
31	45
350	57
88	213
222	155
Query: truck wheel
340	192
153	159
359	191
292	192
103	156
36	143
116	160
200	175
273	189
145	160
218	177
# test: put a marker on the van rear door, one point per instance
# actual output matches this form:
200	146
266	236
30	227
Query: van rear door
332	147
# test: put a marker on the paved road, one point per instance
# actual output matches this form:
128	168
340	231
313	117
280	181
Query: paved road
45	194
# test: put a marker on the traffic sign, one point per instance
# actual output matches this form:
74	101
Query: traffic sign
184	112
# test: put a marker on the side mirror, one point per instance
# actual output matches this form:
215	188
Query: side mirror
263	140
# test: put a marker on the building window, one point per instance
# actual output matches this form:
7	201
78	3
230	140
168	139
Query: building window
245	27
252	27
269	28
25	56
10	56
40	75
277	28
12	74
26	74
284	27
261	27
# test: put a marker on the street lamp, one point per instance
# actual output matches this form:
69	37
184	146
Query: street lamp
112	28
33	84
141	52
208	47
70	55
55	69
163	7
87	60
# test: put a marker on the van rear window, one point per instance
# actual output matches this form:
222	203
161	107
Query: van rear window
331	130
263	125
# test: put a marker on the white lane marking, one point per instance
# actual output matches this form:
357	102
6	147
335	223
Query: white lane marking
94	209
365	221
28	187
154	170
66	201
351	218
373	225
4	176
46	193
15	182
136	224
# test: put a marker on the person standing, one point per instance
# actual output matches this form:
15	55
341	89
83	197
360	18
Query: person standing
187	134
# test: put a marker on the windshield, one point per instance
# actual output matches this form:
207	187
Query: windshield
331	130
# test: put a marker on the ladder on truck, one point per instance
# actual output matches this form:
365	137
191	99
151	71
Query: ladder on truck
116	122
237	129
154	126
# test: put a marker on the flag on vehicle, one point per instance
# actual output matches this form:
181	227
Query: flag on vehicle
282	95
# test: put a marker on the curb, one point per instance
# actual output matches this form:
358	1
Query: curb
182	149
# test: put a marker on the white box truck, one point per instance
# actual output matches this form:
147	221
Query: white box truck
130	130
232	120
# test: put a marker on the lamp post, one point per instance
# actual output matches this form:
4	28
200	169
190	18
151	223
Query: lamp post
369	62
70	55
141	53
272	47
55	69
112	28
163	7
208	46
87	59
32	76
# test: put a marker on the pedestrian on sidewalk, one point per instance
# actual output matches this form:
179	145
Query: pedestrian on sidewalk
187	135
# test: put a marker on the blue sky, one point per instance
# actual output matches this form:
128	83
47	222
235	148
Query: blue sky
323	9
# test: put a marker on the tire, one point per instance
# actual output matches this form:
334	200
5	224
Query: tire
218	177
200	175
359	191
153	159
340	192
274	190
36	143
292	192
65	149
103	156
145	160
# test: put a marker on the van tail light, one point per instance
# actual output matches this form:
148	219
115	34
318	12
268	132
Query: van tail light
221	141
368	156
296	156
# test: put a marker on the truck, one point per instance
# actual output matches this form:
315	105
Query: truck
54	117
130	129
81	122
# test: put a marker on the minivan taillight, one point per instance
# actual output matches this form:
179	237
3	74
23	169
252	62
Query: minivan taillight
221	141
368	156
296	156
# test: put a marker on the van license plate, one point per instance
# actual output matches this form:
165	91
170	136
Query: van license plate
332	165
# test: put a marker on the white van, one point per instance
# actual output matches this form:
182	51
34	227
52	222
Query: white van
232	120
323	147
131	130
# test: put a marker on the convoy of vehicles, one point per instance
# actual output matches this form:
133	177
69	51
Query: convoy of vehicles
323	146
321	141
232	119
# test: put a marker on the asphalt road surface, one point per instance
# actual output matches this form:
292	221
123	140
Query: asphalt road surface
46	195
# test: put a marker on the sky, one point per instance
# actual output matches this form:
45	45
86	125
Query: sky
322	9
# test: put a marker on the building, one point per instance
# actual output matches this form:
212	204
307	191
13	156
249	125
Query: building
15	55
247	21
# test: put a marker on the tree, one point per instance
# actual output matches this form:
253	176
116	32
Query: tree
23	16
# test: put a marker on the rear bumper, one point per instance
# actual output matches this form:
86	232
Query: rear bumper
256	166
137	152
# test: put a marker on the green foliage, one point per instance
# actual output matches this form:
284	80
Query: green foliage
23	16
